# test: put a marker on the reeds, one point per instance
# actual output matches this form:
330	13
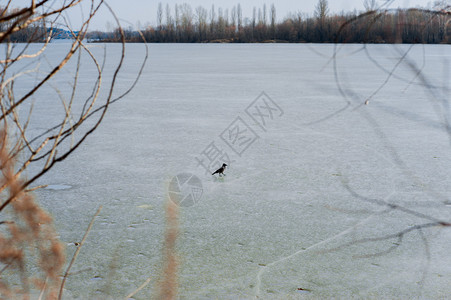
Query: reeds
27	237
168	286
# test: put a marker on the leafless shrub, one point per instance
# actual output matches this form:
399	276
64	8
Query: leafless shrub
28	241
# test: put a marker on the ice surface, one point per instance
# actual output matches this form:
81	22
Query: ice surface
328	202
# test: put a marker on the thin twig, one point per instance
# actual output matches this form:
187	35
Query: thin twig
43	289
77	252
36	188
145	283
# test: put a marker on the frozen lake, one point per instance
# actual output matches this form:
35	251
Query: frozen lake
324	196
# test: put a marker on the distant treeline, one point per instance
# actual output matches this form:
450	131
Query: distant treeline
32	33
182	24
36	32
39	34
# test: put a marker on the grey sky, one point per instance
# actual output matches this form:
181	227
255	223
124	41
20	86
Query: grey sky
144	11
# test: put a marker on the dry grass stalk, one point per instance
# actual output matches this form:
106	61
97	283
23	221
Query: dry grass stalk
31	233
60	295
143	285
169	283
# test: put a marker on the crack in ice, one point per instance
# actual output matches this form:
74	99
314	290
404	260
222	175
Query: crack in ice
344	232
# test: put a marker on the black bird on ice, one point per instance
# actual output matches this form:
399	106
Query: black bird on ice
221	170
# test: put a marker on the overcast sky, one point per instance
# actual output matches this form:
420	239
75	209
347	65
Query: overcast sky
144	11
